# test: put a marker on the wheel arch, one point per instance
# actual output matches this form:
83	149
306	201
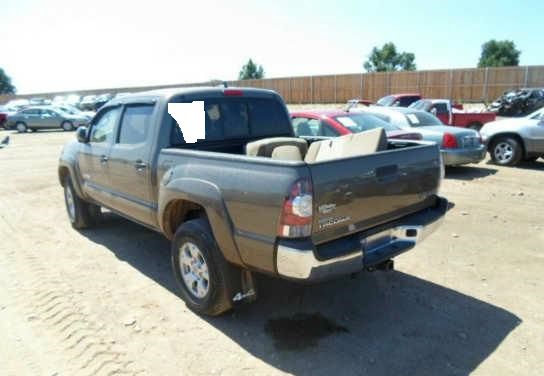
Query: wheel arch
514	135
188	198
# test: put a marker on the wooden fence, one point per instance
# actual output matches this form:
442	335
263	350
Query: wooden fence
467	85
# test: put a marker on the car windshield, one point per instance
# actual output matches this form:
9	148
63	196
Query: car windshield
421	119
386	101
363	122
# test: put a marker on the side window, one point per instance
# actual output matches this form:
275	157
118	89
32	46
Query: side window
306	127
135	124
103	128
441	108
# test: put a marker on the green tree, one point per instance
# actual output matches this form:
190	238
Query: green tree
5	83
499	53
387	59
251	71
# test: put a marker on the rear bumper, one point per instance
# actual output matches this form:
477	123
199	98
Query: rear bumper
297	260
456	157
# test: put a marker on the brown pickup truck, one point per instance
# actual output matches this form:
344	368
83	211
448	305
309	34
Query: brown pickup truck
251	197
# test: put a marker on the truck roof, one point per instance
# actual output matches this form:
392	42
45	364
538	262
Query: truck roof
167	94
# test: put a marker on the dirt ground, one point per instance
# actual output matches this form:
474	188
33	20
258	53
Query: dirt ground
470	299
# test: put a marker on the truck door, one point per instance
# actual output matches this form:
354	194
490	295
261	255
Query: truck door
94	156
130	163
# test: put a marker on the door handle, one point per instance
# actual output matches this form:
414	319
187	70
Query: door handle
140	165
104	159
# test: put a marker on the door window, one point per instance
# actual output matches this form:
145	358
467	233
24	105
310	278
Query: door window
135	124
102	130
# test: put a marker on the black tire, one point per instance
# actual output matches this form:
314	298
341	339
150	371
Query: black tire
224	279
476	126
21	127
511	148
84	214
67	126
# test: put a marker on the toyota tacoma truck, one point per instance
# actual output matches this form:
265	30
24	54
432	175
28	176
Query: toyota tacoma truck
250	197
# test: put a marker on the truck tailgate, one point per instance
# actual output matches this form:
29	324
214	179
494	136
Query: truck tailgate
354	194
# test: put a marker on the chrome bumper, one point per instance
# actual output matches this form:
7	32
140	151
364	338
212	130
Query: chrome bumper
301	263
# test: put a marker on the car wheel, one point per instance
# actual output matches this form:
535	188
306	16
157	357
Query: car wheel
207	282
67	126
506	151
81	214
476	126
21	127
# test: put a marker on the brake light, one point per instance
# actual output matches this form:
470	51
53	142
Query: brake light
232	92
297	211
449	141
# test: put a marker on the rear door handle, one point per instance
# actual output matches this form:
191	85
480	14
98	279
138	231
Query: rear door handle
104	159
140	165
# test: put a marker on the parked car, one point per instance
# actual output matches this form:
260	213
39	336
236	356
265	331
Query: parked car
250	196
73	110
334	123
45	117
458	146
518	102
73	99
399	100
101	100
37	101
511	140
87	103
447	112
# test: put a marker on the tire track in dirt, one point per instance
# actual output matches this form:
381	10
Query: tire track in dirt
51	306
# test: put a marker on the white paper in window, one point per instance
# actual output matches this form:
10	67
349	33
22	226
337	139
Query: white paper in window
413	118
346	121
190	118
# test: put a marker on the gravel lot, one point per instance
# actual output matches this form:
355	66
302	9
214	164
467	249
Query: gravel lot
470	299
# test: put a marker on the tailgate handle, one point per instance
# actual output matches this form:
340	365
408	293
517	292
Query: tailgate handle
384	173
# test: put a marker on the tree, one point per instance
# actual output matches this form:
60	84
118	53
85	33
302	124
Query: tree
5	83
499	53
387	59
251	71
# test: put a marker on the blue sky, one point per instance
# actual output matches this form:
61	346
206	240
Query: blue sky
68	45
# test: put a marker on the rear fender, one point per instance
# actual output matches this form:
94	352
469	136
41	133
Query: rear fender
210	198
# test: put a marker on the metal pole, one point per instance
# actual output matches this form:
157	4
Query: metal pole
451	84
335	101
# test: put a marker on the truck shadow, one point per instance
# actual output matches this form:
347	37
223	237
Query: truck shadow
374	323
469	172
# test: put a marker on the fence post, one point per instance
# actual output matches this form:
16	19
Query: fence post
289	90
311	89
335	101
451	84
485	85
526	76
362	86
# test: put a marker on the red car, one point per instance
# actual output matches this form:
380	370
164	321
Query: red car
333	123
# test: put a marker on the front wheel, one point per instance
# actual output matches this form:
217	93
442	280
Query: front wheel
67	126
506	151
81	214
206	280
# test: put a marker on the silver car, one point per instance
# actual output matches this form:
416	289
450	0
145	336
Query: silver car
511	140
458	146
45	117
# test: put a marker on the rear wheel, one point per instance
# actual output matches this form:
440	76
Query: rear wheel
506	151
67	126
206	280
81	214
21	127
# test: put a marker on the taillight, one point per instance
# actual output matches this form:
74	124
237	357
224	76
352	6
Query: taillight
232	92
297	211
449	141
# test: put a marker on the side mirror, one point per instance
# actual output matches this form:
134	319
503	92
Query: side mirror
81	134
